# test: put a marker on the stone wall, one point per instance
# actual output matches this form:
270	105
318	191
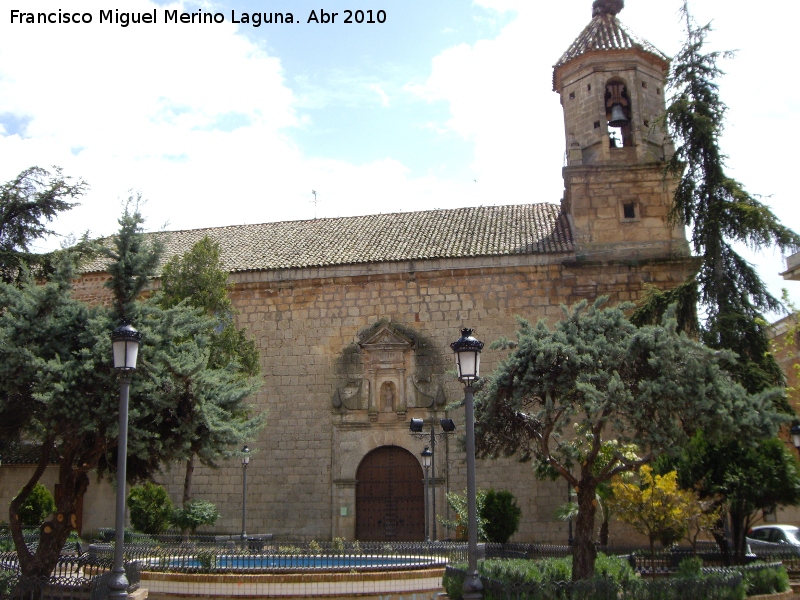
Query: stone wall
301	478
98	503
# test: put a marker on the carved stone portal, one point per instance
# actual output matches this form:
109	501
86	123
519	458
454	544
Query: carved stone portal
381	374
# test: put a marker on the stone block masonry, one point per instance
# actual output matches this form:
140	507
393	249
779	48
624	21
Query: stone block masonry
302	325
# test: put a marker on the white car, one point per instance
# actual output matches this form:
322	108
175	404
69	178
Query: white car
774	538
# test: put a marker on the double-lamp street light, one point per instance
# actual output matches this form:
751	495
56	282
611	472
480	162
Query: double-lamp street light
125	345
467	351
416	428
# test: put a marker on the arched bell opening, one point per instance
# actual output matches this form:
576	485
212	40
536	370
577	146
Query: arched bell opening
618	114
390	497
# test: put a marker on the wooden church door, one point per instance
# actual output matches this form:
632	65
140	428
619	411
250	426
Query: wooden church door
390	497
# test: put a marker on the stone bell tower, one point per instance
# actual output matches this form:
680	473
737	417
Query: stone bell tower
611	84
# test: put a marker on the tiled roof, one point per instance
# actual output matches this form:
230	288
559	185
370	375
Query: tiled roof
606	32
431	234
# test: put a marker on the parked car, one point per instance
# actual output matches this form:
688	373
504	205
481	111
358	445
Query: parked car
774	539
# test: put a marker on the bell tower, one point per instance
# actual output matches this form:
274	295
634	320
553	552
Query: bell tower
611	84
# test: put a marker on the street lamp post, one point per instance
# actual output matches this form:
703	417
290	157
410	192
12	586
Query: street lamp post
125	345
426	463
416	427
467	352
245	462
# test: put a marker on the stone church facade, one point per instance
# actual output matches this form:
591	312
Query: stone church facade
353	317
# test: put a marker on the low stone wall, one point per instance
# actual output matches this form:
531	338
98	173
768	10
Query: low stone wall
386	585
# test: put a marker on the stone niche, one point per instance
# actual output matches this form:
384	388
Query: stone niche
385	373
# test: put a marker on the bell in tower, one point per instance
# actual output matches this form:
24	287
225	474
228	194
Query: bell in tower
611	86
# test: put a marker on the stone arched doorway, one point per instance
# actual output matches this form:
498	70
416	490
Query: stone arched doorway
390	497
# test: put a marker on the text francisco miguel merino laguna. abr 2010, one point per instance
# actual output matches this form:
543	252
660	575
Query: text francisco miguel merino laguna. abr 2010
198	17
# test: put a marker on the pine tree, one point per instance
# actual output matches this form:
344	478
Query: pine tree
59	391
719	212
27	202
599	374
197	279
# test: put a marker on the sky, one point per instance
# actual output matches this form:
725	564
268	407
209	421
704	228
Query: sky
438	104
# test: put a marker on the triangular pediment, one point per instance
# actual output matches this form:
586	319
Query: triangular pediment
385	337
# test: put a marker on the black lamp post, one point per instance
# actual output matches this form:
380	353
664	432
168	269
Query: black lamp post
245	462
467	351
426	463
795	431
125	345
415	428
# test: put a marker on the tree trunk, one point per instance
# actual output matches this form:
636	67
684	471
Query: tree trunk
603	536
187	490
738	524
719	536
187	481
53	533
583	550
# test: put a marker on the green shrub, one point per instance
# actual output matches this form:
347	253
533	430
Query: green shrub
458	504
37	507
766	580
501	516
615	568
691	566
7	581
195	514
150	508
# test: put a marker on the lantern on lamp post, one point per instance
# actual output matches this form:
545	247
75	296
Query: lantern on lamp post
245	462
426	463
467	352
795	433
125	342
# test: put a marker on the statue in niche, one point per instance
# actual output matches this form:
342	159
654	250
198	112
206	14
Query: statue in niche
387	397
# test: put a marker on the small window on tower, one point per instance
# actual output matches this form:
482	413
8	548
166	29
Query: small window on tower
589	88
629	210
572	95
597	124
644	85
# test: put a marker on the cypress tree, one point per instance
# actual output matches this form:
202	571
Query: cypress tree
719	212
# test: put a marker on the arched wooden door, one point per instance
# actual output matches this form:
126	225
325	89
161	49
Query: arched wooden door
390	497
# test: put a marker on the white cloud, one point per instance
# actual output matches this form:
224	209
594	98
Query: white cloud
378	89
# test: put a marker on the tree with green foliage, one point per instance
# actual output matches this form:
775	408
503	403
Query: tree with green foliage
500	515
150	508
58	388
27	202
37	507
719	213
648	386
458	504
744	479
196	513
198	280
583	443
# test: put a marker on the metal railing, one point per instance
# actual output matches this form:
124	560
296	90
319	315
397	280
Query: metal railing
77	578
716	586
